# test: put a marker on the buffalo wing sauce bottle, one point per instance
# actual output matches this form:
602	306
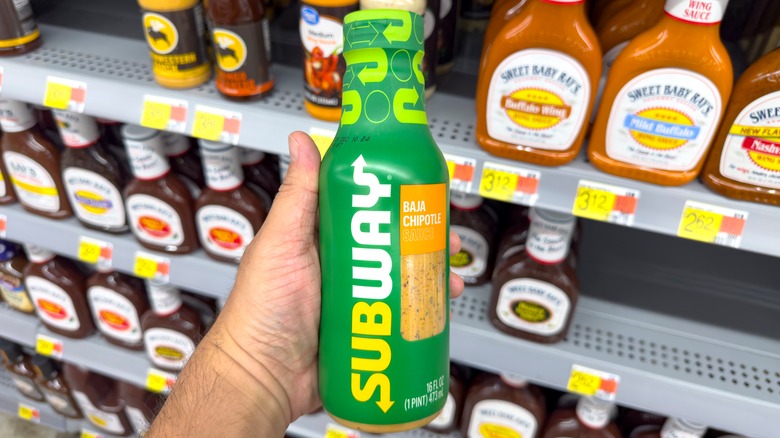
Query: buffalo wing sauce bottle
745	160
33	163
18	365
228	214
592	418
502	406
537	88
470	220
171	329
159	205
664	97
673	428
58	290
92	176
54	387
117	302
535	291
96	396
12	264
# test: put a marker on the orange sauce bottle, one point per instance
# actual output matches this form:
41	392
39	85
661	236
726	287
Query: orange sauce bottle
537	85
664	97
745	159
609	10
503	11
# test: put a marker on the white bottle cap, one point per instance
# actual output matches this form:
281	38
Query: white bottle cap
36	254
465	201
164	298
680	428
514	380
593	412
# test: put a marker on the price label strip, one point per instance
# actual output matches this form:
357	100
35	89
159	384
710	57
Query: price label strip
48	346
3	224
606	203
65	94
510	184
152	267
164	113
461	172
87	433
712	224
333	431
216	124
593	383
29	413
96	252
322	138
159	382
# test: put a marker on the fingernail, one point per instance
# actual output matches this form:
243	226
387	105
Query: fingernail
293	144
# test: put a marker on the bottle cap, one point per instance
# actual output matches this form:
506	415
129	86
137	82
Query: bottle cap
593	412
383	29
138	133
514	380
164	298
36	254
250	156
175	144
16	116
465	201
675	426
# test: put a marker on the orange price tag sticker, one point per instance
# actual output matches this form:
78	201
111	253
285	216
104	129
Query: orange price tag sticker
95	251
322	138
48	346
216	124
606	203
712	224
510	184
333	431
152	267
3	224
164	113
29	413
65	94
593	383
461	171
160	382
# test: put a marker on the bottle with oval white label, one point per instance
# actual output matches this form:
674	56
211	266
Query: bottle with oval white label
665	97
171	328
476	229
592	418
502	406
117	302
535	291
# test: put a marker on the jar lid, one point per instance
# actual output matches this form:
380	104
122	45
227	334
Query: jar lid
138	133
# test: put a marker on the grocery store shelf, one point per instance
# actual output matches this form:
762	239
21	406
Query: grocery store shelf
18	327
10	400
315	425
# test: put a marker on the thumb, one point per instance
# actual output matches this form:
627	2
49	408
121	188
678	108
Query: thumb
294	210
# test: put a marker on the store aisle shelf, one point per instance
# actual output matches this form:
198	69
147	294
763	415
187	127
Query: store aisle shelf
10	400
18	327
117	73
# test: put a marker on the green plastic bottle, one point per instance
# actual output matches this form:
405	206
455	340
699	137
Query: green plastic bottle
384	227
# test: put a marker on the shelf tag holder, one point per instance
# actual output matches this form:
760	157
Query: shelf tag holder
29	413
95	252
605	203
160	382
333	431
65	94
216	124
510	184
461	170
152	267
48	346
164	113
323	138
593	383
712	224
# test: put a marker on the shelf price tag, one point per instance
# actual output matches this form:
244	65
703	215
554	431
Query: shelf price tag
86	433
461	172
29	413
216	124
606	203
48	346
164	113
65	94
510	184
593	383
712	224
159	382
322	138
333	431
96	252
152	267
3	223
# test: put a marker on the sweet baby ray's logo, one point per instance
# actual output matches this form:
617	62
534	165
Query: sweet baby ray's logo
534	108
231	49
161	34
661	128
92	202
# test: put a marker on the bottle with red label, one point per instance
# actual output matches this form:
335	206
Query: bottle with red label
228	214
54	388
98	399
171	329
592	418
92	176
503	406
59	292
12	264
18	365
117	302
535	291
159	205
32	161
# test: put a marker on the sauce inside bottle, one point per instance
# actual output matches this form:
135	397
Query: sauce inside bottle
259	175
184	161
140	406
7	194
12	264
33	163
54	387
631	419
159	205
117	302
21	370
171	329
592	418
97	397
502	406
476	228
19	32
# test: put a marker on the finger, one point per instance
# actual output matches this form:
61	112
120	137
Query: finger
454	243
456	285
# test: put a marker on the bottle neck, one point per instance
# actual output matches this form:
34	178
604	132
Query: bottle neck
147	158
698	13
594	413
676	427
222	166
77	130
557	7
16	116
164	298
549	236
175	145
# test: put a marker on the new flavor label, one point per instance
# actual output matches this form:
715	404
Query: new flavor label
712	224
461	171
65	94
164	113
423	218
216	124
593	383
605	202
510	184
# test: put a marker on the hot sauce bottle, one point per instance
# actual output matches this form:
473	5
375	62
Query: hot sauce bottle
19	32
54	387
12	264
159	205
505	405
537	88
664	97
33	163
117	302
21	370
592	418
171	329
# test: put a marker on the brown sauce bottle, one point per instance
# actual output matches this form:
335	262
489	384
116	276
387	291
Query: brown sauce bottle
171	329
97	397
21	370
7	194
632	419
535	292
228	214
19	32
12	264
499	406
674	427
117	302
92	176
32	161
476	228
111	135
140	406
592	418
159	205
514	236
259	174
59	291
184	161
54	387
449	417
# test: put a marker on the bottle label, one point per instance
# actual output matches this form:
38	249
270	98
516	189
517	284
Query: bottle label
106	421
177	43
26	386
147	158
138	420
538	98
95	199
446	417
244	64
698	11
76	130
664	119
19	27
223	231
533	306
60	403
154	221
115	315
33	183
16	116
321	30
471	262
222	168
498	418
751	152
167	348
548	239
14	293
593	412
54	305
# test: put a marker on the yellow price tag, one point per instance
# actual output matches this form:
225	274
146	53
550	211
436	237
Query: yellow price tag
29	413
451	168
581	382
156	114
151	267
89	251
208	126
86	433
593	203
159	381
333	431
498	184
144	267
48	346
57	95
590	382
700	225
